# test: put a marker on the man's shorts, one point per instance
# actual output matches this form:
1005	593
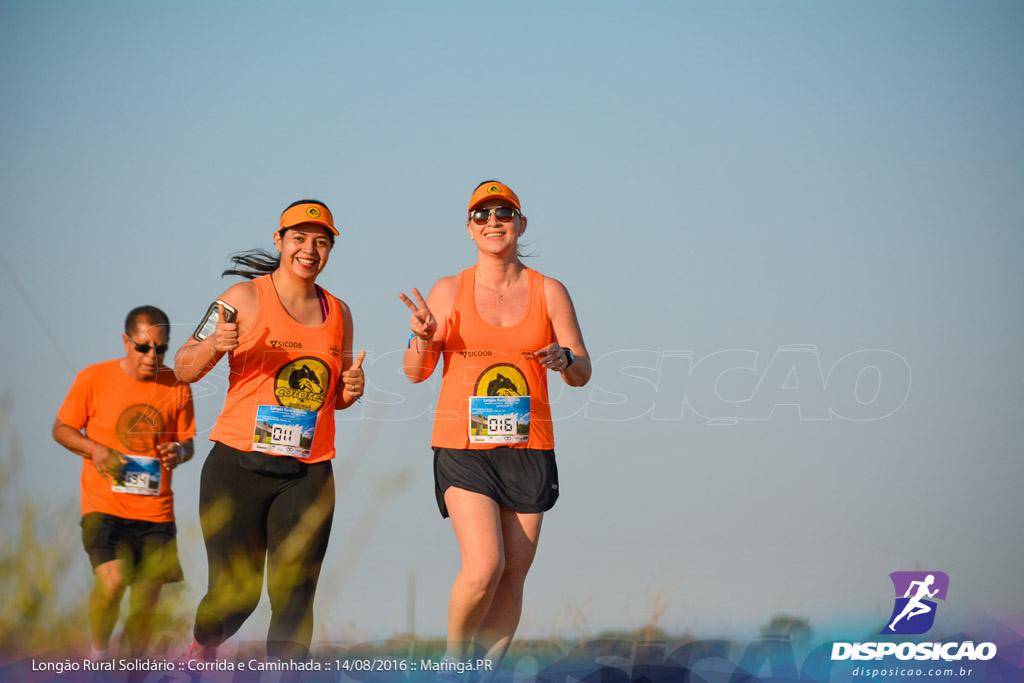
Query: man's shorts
520	479
149	550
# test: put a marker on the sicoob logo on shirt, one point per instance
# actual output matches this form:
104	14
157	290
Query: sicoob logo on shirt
139	428
913	613
303	383
502	380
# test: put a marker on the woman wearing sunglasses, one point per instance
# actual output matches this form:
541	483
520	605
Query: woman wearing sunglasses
267	489
501	328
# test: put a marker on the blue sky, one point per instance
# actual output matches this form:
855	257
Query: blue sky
792	232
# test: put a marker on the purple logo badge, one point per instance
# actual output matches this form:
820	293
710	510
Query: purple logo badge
914	611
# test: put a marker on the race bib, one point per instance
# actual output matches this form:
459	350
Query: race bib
499	419
284	431
140	476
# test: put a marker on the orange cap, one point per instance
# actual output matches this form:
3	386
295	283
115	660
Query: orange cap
493	190
317	214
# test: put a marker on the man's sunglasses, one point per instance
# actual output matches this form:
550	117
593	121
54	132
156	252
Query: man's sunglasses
144	348
502	213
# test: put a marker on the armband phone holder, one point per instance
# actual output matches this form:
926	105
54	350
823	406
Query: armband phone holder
212	317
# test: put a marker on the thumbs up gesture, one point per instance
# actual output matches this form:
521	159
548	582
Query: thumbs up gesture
353	380
225	338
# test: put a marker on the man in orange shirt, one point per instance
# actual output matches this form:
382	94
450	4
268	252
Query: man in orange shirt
138	424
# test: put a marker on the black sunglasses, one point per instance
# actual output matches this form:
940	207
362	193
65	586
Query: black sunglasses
502	213
144	348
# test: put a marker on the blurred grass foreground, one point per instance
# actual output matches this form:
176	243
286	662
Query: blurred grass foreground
45	581
45	577
36	552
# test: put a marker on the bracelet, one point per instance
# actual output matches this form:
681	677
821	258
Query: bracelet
416	336
93	448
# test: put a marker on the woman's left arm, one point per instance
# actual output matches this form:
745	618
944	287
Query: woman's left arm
567	336
352	379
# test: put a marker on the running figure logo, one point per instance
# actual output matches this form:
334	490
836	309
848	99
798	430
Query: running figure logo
914	613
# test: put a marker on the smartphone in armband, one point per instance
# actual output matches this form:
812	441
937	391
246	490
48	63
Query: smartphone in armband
212	317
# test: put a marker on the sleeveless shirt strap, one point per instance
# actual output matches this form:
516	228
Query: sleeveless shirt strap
540	297
323	301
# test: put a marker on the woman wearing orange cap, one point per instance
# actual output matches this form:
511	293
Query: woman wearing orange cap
267	489
500	327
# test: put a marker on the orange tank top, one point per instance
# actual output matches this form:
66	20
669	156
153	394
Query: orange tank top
493	392
284	378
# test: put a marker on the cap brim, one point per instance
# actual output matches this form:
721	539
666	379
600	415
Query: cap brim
491	191
310	221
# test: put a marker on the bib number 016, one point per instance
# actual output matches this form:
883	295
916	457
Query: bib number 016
501	424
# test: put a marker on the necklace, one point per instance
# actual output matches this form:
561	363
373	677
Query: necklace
501	295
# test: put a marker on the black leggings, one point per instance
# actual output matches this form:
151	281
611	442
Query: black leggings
249	518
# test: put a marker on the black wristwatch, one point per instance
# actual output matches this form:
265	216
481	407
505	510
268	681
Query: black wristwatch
569	358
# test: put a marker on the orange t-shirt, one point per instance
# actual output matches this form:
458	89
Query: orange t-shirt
131	417
494	392
284	381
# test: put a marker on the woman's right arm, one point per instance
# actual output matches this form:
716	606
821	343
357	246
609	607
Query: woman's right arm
428	323
196	358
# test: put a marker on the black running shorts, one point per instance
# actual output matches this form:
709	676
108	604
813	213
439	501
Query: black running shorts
149	549
520	479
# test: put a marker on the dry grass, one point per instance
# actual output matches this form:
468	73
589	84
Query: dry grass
36	559
45	578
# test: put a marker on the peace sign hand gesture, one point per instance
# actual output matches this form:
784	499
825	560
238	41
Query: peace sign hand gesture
421	322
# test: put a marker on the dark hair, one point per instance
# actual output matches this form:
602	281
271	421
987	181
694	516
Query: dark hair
154	315
519	254
487	182
253	263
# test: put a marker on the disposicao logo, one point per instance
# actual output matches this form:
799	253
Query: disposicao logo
916	592
913	614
